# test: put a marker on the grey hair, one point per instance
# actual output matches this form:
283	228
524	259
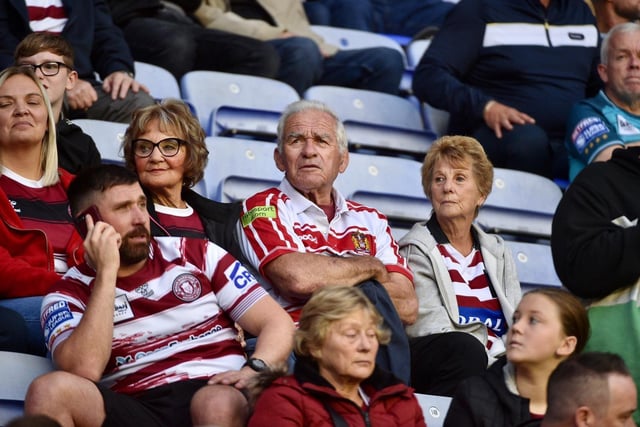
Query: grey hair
307	105
627	27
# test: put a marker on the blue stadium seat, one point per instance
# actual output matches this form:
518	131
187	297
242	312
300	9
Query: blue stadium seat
534	264
238	168
434	408
390	184
521	205
108	137
17	370
357	39
161	83
415	50
234	104
377	122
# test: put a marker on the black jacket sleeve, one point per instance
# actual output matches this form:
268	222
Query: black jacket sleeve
592	255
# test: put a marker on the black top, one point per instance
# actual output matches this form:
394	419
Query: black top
76	149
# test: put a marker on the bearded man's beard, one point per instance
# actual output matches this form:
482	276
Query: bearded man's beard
132	253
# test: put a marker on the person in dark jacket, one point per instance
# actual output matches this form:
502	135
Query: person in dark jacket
162	33
50	57
335	380
98	45
595	242
508	72
165	145
548	326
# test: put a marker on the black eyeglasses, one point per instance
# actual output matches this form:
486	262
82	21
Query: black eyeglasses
168	147
48	69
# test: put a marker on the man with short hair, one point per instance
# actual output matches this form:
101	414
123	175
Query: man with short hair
50	57
610	13
304	235
610	120
591	389
143	332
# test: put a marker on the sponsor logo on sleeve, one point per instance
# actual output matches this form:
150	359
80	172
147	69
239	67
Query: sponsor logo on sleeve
259	212
240	276
54	317
587	130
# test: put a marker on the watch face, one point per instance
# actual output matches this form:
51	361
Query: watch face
257	364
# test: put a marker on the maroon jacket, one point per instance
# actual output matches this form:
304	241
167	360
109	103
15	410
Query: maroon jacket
299	400
26	255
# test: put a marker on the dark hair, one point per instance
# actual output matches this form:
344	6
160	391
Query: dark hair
582	380
97	179
44	42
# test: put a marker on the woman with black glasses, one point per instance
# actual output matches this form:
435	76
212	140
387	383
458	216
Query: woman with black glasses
164	144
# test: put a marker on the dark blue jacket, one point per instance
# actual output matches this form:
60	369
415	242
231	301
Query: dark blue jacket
541	64
98	44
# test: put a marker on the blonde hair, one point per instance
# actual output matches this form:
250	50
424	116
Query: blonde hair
49	149
458	150
327	306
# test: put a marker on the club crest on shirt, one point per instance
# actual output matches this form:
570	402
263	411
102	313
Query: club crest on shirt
187	287
361	242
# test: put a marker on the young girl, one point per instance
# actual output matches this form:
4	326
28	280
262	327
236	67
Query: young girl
549	325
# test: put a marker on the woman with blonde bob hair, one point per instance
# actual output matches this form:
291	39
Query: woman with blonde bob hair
335	379
465	279
165	145
37	239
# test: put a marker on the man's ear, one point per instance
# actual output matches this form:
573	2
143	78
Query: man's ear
278	157
344	161
583	417
72	79
602	72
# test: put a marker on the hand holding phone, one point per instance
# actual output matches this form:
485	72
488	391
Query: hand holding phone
81	220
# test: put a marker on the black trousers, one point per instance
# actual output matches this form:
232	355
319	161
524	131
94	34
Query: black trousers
440	361
178	44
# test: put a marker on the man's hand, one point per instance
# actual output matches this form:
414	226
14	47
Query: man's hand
498	116
102	245
82	96
117	84
239	379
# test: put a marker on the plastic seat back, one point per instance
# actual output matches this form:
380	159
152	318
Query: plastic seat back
161	83
392	185
210	91
108	137
17	370
382	123
239	168
521	204
434	408
534	263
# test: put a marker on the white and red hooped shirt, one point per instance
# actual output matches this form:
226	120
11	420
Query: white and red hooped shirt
281	220
173	319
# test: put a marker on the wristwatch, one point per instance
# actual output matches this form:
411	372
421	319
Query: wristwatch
257	365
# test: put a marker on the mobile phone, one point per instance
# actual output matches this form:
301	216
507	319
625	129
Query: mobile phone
81	219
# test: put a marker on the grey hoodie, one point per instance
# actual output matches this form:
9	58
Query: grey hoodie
438	308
